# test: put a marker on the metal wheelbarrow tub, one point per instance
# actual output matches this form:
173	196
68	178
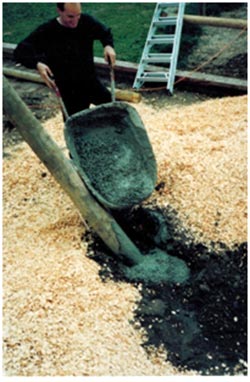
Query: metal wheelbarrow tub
110	148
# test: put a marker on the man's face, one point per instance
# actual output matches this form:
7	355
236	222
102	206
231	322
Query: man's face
70	16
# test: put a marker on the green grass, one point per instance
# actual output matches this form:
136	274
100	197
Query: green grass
129	22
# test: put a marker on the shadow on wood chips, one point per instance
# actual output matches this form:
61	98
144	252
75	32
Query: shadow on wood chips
203	322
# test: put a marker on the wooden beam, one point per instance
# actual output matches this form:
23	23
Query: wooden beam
212	80
216	21
128	70
65	174
8	49
28	75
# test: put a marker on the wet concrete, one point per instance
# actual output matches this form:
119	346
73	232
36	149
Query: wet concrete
156	267
110	147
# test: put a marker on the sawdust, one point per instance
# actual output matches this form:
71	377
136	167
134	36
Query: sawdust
59	318
201	154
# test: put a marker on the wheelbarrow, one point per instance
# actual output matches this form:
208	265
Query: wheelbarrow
154	267
110	148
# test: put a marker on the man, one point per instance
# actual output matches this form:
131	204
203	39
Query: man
62	52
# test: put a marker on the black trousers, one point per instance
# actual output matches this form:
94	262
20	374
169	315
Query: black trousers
79	97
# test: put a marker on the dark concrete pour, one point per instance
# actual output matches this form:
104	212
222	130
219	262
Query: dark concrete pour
202	322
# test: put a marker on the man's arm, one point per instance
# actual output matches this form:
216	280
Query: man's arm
30	50
103	33
30	53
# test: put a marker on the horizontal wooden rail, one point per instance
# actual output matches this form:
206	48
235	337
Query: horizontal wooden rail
127	70
28	75
216	21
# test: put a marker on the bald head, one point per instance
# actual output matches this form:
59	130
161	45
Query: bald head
69	14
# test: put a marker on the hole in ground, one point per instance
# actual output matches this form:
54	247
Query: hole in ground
203	322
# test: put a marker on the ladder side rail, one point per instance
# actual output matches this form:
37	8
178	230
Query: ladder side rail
176	47
146	49
144	73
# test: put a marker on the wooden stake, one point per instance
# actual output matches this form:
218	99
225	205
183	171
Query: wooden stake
66	175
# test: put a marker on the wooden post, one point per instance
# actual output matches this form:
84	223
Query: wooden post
66	175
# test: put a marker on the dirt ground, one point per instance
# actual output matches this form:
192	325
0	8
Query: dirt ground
203	323
230	43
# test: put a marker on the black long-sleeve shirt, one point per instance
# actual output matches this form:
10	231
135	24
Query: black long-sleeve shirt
67	51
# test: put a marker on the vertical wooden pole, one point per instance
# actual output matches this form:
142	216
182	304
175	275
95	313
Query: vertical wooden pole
66	175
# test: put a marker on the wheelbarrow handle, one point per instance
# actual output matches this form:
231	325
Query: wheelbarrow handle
112	80
62	105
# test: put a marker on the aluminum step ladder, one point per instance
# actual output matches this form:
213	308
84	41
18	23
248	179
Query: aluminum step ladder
162	46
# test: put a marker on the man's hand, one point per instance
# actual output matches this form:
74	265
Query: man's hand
109	55
46	75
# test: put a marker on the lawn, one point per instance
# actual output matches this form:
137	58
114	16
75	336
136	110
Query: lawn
129	21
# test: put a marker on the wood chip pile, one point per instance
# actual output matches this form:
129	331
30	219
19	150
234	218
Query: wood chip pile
201	153
59	318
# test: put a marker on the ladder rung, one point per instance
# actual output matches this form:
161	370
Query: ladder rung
166	5
167	18
164	21
154	77
158	57
161	39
